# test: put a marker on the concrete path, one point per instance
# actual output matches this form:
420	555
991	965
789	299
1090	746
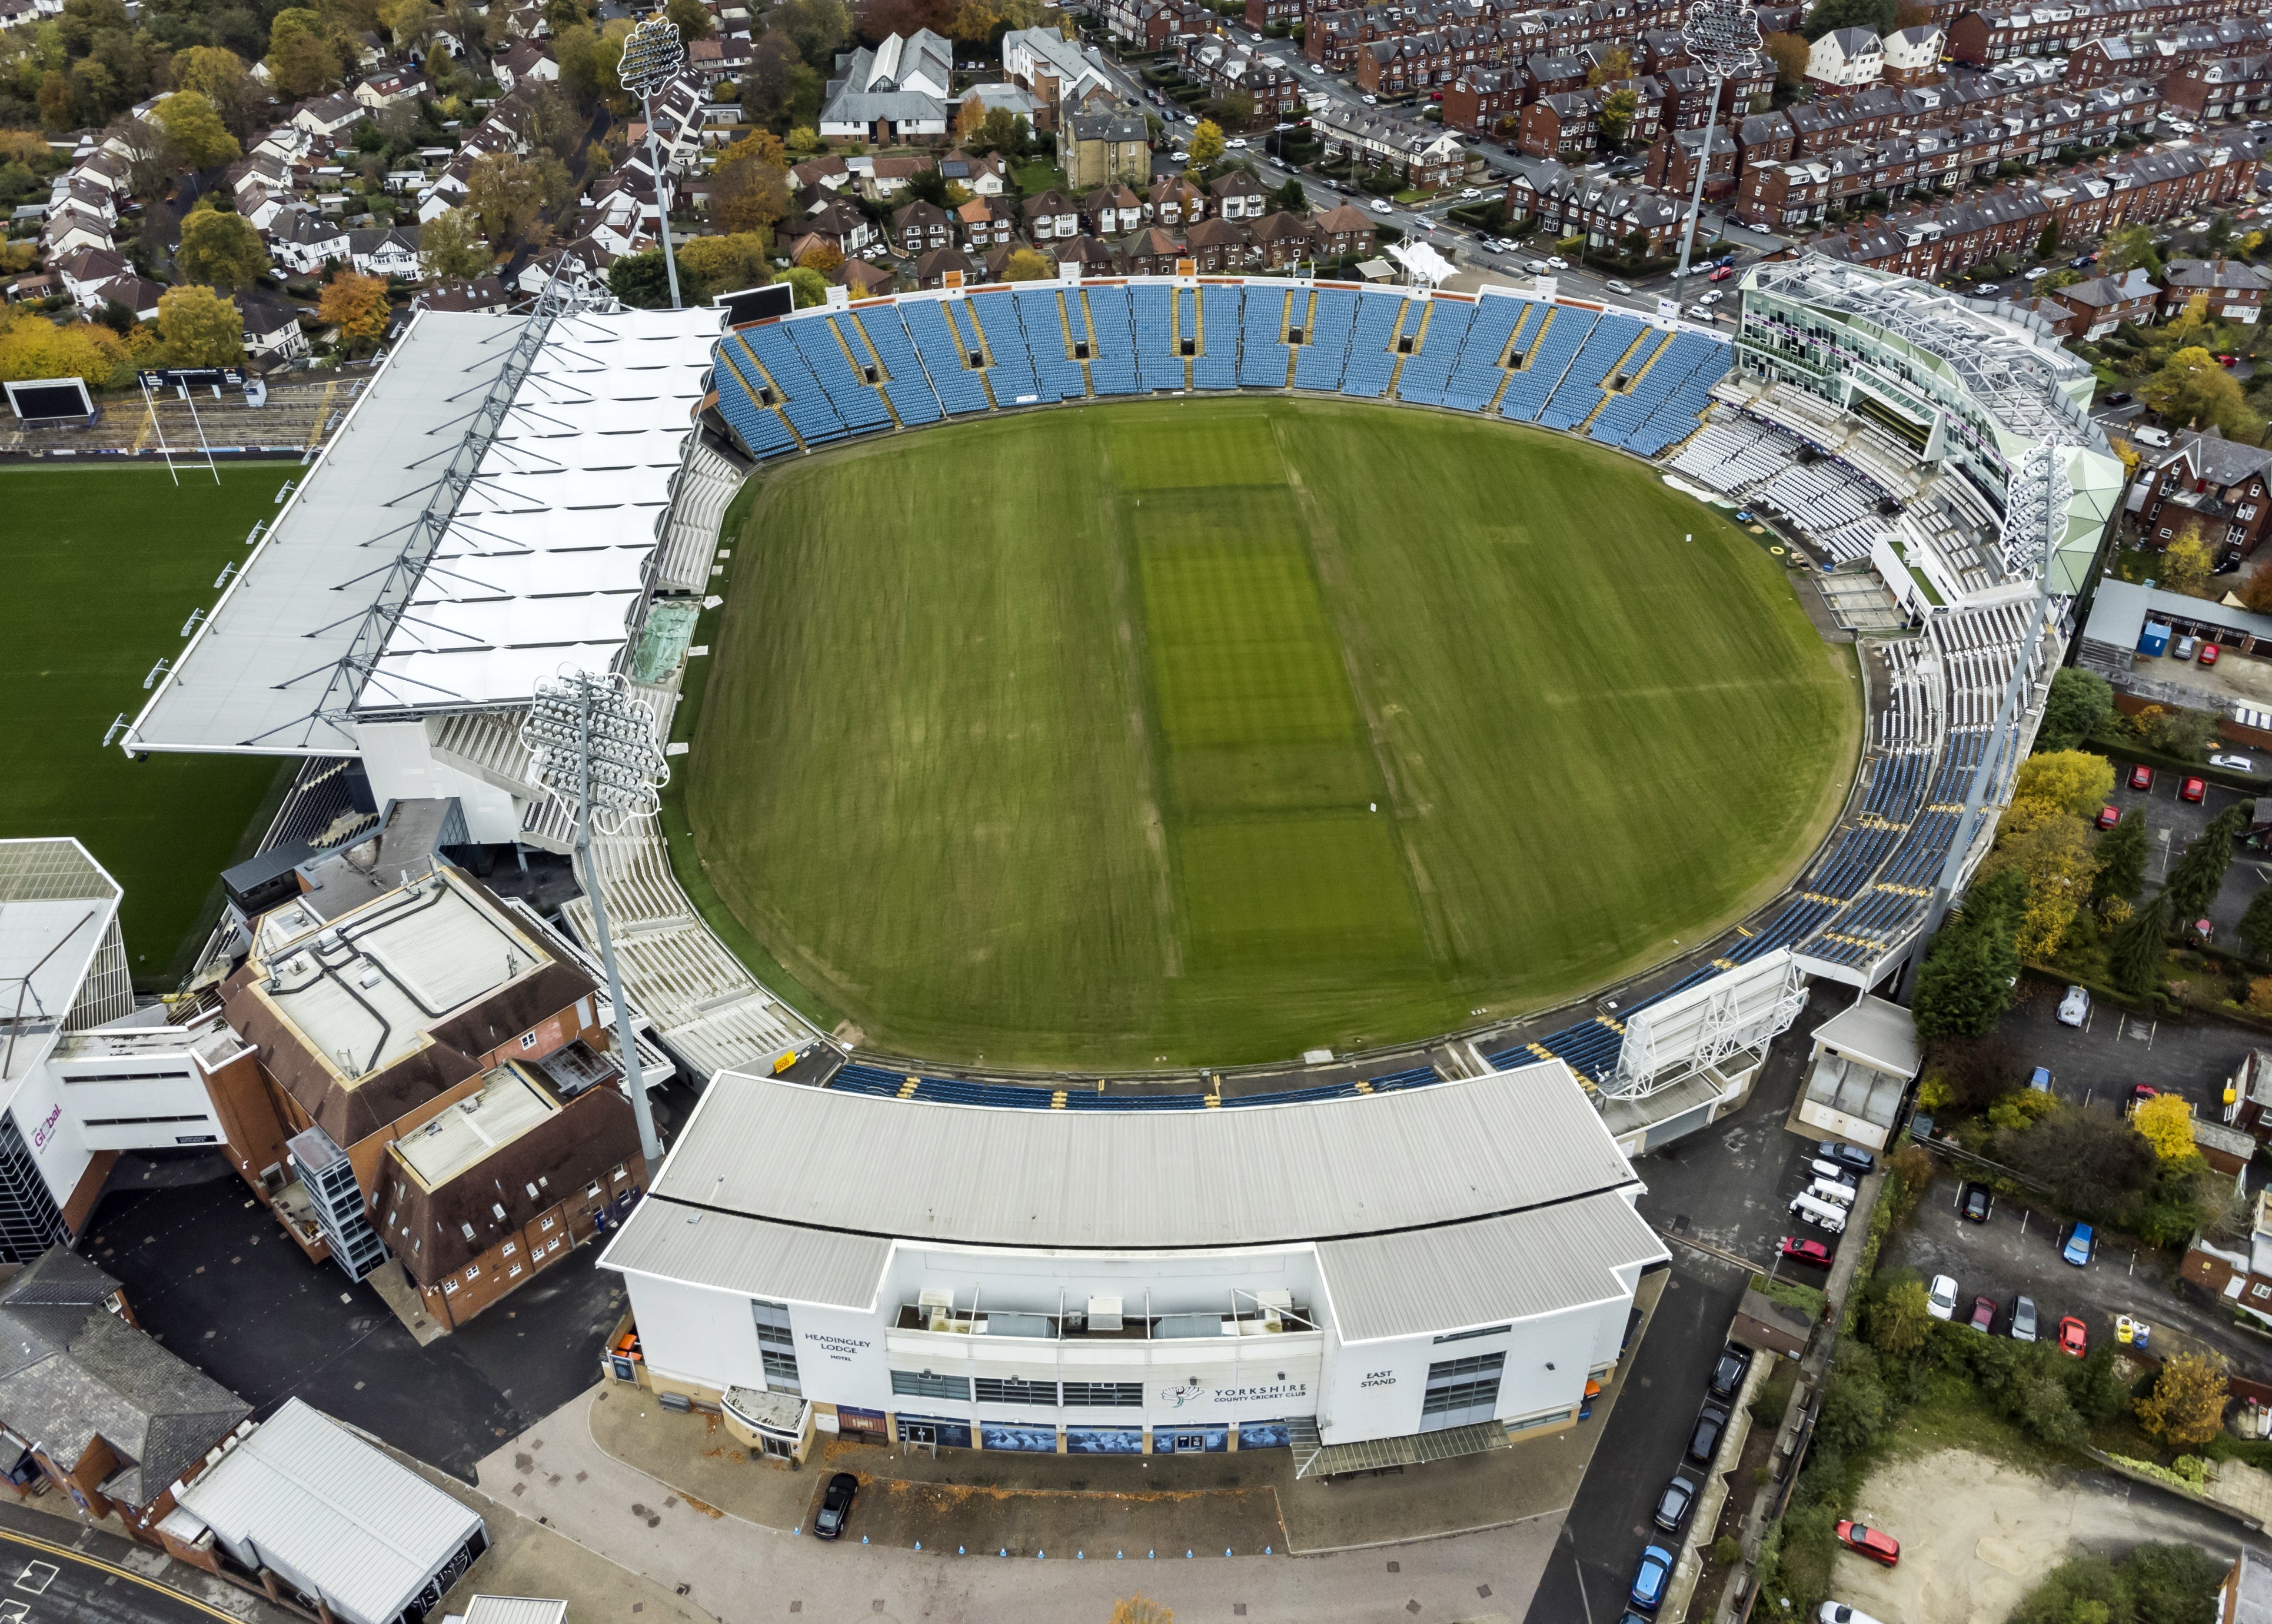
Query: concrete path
738	1571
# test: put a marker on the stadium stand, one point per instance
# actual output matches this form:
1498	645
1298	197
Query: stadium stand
1546	362
890	1082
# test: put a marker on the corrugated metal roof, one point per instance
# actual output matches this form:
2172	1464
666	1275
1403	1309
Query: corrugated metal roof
1462	1150
1478	1273
749	1255
338	1513
515	1610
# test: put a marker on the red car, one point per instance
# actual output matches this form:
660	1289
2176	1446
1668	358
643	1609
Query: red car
1984	1314
1805	1250
2192	789
1879	1547
2141	777
2208	653
2109	816
2073	1338
1722	274
2226	361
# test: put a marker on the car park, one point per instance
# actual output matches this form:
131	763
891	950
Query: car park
1983	1314
836	1506
1940	1298
2109	816
2142	777
2075	1009
2237	764
1975	1203
1729	1370
1652	1578
2023	1319
1704	1438
2208	653
1799	1250
1852	1157
2073	1338
1672	1505
2078	1242
2192	790
1865	1541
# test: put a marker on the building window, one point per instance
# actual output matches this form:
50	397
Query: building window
772	1323
1485	1330
924	1384
1013	1390
780	1372
528	1040
1116	1395
1461	1392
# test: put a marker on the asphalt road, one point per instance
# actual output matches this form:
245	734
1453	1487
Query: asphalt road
51	1573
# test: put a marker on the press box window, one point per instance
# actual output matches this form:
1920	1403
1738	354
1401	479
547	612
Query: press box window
923	1384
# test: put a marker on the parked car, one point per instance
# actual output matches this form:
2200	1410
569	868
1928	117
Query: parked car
1879	1547
1975	1202
1615	286
2040	1079
1672	1505
1372	102
1729	1370
2227	361
1983	1314
2077	1244
2183	647
1852	1157
1839	1612
2023	1319
2208	653
2075	1009
1940	1298
2142	777
2137	1094
1703	312
1318	69
1797	1250
2238	764
2109	816
2192	790
1704	1441
2073	1338
1833	1172
2120	397
1651	1578
836	1506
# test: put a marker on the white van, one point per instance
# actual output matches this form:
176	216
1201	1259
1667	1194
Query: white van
1822	1214
1841	1195
1830	1172
2145	434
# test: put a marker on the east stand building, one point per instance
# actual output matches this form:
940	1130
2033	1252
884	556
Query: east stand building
1371	1281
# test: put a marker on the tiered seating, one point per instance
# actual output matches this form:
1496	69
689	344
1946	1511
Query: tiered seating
1216	365
855	399
762	430
803	400
1676	364
1372	344
1476	377
1318	363
1264	356
1428	370
1011	372
1582	386
1547	359
1824	499
699	496
1734	454
944	358
1159	359
909	391
1684	407
1112	359
1044	322
883	1082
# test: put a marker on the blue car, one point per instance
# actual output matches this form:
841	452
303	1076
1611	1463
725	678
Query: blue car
1650	1580
2079	1244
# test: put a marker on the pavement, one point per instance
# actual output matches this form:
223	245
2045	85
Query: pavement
1977	1534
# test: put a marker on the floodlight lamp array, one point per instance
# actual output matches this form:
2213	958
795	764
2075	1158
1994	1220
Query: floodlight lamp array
651	55
1723	36
586	735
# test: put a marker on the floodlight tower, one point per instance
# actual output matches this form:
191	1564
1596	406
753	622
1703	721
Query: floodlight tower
593	746
650	57
1723	36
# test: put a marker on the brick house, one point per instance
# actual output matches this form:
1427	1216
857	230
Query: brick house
933	268
2235	291
1426	156
1221	246
921	226
985	223
1670	165
1237	195
1561	125
1110	211
1152	251
1782	197
2206	485
1343	232
1480	99
2104	302
1174	202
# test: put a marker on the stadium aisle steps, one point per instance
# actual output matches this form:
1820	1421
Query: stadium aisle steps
1317	364
1548	358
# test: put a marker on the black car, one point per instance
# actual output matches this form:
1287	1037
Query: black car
1672	1505
836	1506
1846	1156
1704	1443
1728	1375
2120	397
1977	1202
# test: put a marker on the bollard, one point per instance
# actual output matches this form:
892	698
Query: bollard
959	1551
798	1529
918	1544
1039	1554
1187	1556
1119	1555
864	1539
1266	1550
1080	1556
1226	1550
1005	1551
1149	1555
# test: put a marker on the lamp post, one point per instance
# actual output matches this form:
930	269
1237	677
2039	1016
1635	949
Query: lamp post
591	745
651	57
1723	37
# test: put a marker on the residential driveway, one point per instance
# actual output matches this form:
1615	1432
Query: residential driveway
1977	1534
2017	1251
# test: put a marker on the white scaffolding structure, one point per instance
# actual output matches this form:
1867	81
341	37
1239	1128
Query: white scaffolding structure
1690	1033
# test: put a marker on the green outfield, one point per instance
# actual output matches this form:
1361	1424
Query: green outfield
103	565
1219	731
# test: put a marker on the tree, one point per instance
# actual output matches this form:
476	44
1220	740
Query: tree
31	347
770	84
2187	1403
2133	958
1140	1610
819	29
356	305
2256	923
2255	590
1291	197
1875	15
2175	732
2199	873
1617	115
1901	1319
2166	1123
505	193
1966	984
2048	244
409	23
2132	248
2122	859
642	280
692	18
822	257
715	264
1027	265
145	153
450	244
749	187
2068	781
303	65
58	108
1206	143
220	77
220	248
196	131
198	328
2187	563
2052	848
2079	701
2090	1161
811	287
1615	64
2191	388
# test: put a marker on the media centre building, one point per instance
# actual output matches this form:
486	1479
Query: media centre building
1368	1281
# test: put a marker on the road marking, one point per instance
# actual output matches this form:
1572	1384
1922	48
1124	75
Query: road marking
11	1537
37	1577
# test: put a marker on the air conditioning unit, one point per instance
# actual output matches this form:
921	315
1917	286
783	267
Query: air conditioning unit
1104	1314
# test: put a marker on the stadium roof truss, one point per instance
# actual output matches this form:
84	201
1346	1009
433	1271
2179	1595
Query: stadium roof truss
1689	1033
539	455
